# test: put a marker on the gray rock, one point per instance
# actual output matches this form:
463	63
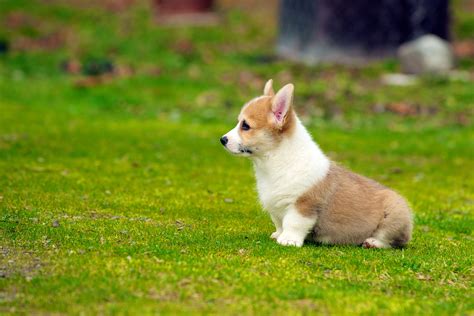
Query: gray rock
399	79
427	54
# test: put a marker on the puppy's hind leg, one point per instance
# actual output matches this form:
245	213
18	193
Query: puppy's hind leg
396	226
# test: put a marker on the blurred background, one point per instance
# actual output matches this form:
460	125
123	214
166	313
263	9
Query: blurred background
201	59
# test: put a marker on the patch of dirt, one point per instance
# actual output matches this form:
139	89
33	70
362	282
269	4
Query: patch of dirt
71	66
32	33
15	261
463	119
188	289
8	295
183	47
48	42
18	19
405	109
161	295
114	6
99	78
423	277
307	305
464	49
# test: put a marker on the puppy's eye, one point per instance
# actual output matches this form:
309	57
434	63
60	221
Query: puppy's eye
245	126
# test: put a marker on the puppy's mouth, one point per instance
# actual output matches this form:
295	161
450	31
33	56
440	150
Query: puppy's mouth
241	151
245	150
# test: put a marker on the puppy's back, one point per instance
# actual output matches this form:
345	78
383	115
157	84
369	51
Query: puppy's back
351	208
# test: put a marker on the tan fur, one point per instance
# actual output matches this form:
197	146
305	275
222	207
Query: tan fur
351	208
268	89
258	114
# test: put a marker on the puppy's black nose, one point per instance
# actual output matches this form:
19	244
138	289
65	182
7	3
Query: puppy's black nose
224	140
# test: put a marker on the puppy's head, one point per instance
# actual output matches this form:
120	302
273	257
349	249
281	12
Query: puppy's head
262	123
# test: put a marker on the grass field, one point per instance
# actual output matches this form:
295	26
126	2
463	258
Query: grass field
117	198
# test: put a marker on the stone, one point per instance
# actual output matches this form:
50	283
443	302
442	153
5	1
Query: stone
399	79
428	54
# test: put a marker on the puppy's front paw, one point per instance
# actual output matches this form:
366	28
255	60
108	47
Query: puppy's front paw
288	240
275	235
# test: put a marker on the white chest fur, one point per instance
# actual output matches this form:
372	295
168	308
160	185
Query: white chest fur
289	170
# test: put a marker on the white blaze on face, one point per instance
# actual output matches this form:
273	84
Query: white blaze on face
234	141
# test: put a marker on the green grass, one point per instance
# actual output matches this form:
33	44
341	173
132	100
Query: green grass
118	198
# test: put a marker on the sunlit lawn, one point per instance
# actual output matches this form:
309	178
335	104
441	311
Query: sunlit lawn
116	196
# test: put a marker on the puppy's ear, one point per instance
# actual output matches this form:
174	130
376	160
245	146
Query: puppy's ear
281	103
268	90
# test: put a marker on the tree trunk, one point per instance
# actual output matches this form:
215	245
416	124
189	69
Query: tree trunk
355	31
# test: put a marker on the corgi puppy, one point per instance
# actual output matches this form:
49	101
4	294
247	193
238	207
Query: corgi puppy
305	193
